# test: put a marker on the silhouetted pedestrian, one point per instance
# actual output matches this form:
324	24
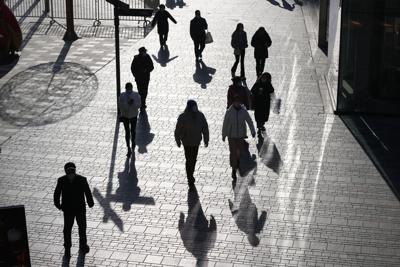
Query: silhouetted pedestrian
198	27
129	103
161	19
237	89
73	189
261	94
234	127
260	41
239	44
141	67
190	128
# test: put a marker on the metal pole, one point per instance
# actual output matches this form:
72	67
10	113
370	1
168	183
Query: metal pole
46	6
117	61
70	34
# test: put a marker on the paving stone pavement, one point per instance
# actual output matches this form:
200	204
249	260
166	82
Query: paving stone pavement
322	201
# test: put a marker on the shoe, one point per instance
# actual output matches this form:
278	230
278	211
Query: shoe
263	129
129	152
67	252
85	249
232	73
243	78
133	147
192	187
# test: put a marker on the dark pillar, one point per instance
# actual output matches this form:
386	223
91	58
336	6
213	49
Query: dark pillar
70	34
117	58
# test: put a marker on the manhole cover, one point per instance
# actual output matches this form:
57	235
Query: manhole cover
47	93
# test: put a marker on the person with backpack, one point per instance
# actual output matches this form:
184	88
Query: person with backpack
261	94
234	127
190	128
161	19
239	44
141	67
260	41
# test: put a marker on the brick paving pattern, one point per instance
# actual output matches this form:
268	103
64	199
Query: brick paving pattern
322	200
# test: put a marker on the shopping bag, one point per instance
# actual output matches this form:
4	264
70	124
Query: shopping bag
209	38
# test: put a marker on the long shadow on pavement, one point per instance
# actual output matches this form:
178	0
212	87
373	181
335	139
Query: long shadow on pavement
203	74
163	57
197	233
245	212
175	3
128	192
143	135
379	137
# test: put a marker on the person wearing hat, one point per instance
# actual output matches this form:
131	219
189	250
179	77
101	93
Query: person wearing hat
141	67
190	128
161	19
237	89
129	103
234	127
73	188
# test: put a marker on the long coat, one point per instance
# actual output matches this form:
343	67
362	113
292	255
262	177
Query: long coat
261	42
141	67
161	18
261	100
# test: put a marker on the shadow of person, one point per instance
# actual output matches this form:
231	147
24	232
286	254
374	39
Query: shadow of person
174	3
143	134
273	2
245	213
80	262
163	56
65	261
197	233
287	6
203	74
270	155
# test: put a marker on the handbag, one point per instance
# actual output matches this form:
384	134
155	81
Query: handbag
209	38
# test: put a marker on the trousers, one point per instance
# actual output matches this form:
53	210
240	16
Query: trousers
69	217
191	153
130	130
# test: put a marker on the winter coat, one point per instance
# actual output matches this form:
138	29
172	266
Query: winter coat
234	125
261	42
239	40
141	67
242	92
261	99
72	194
161	19
198	27
129	103
190	128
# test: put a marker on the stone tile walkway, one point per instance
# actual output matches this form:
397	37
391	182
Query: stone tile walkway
315	197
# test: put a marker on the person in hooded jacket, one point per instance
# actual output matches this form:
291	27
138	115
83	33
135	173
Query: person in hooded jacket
261	94
260	41
239	44
234	127
190	128
161	19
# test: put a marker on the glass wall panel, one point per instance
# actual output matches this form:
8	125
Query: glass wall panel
369	78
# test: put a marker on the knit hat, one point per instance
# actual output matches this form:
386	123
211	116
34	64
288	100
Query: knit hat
69	165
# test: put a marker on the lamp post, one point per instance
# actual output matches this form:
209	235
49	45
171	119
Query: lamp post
70	34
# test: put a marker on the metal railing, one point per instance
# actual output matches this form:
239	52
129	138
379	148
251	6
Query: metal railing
95	10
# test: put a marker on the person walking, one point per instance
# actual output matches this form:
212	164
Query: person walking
239	44
234	127
261	93
237	89
260	41
73	188
190	128
161	19
198	27
141	67
129	103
